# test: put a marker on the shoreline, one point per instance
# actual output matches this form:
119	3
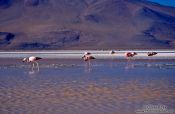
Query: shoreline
98	54
18	62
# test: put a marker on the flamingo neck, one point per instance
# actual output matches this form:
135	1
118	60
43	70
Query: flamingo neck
28	60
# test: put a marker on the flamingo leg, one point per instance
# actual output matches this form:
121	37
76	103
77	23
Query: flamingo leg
86	67
128	59
127	63
112	61
33	65
89	63
37	65
113	56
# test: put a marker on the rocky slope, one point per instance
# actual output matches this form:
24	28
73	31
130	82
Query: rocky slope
85	24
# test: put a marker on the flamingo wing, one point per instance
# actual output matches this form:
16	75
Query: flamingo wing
91	57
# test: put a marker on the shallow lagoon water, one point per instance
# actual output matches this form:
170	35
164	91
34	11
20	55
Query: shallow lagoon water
75	87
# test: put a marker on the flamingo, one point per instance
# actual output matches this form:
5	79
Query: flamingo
152	53
32	60
112	52
87	56
130	54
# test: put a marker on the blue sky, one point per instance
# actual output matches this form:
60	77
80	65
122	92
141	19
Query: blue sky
165	2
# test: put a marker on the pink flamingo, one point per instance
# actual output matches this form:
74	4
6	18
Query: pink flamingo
87	56
112	52
152	53
32	60
130	54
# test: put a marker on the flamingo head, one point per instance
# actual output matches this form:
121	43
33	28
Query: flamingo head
83	57
112	52
87	53
25	60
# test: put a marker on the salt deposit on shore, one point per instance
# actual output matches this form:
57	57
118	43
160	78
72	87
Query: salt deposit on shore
98	54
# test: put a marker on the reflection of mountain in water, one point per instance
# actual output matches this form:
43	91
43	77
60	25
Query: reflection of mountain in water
86	24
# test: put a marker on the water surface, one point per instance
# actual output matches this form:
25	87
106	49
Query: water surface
77	87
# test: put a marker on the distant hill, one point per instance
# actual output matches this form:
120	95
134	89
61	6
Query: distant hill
85	24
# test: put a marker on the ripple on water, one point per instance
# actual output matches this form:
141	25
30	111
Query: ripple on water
73	98
105	90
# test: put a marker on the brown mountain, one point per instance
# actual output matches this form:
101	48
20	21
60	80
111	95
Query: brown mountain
85	24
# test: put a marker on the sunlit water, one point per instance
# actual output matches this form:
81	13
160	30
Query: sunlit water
76	87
